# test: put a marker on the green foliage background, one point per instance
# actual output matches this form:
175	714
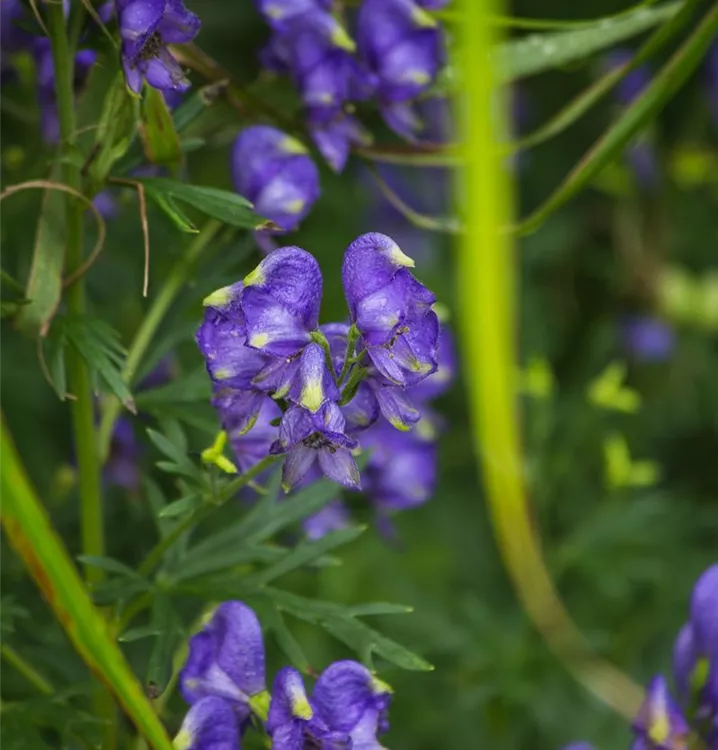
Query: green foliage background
623	560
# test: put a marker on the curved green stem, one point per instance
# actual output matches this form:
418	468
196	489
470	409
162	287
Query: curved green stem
26	669
177	278
486	278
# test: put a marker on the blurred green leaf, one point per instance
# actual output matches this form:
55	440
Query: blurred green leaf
157	130
137	634
29	531
44	284
9	612
224	205
115	130
109	564
99	345
114	590
664	84
195	386
180	463
540	52
53	349
274	621
166	622
182	506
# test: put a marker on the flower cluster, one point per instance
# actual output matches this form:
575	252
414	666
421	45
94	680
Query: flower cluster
664	723
146	28
223	680
15	39
339	383
398	52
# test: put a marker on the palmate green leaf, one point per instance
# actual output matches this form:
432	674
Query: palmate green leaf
44	284
99	345
224	205
343	624
647	105
537	53
30	533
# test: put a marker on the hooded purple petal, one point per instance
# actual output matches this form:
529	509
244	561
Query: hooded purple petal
226	659
704	612
363	410
252	446
345	692
335	137
396	406
439	381
211	724
238	409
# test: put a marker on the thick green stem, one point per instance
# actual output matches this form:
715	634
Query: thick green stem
26	669
78	373
83	420
178	277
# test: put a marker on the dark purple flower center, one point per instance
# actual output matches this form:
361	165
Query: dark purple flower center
152	47
317	441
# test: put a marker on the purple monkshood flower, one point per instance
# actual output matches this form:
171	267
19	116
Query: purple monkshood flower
211	724
306	437
273	171
226	660
404	47
647	338
659	723
391	309
282	14
348	708
146	28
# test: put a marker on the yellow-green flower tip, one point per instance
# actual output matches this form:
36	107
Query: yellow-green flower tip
255	278
312	395
300	707
219	298
259	704
421	18
341	39
379	686
295	206
293	146
183	740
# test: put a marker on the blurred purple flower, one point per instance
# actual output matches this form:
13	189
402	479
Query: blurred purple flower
211	724
659	723
146	28
647	338
404	47
275	173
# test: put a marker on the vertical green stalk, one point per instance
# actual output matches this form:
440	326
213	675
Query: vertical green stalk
487	281
78	374
83	421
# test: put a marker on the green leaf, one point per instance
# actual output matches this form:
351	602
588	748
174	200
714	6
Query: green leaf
30	533
53	347
137	634
224	558
379	608
182	506
44	284
11	283
116	590
540	52
224	205
342	623
170	209
157	130
648	104
274	621
195	386
305	553
9	612
99	345
110	565
115	131
159	668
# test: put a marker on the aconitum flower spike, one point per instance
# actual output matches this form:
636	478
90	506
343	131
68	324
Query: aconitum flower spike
391	309
226	659
307	438
280	302
403	46
659	722
273	171
146	28
211	724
